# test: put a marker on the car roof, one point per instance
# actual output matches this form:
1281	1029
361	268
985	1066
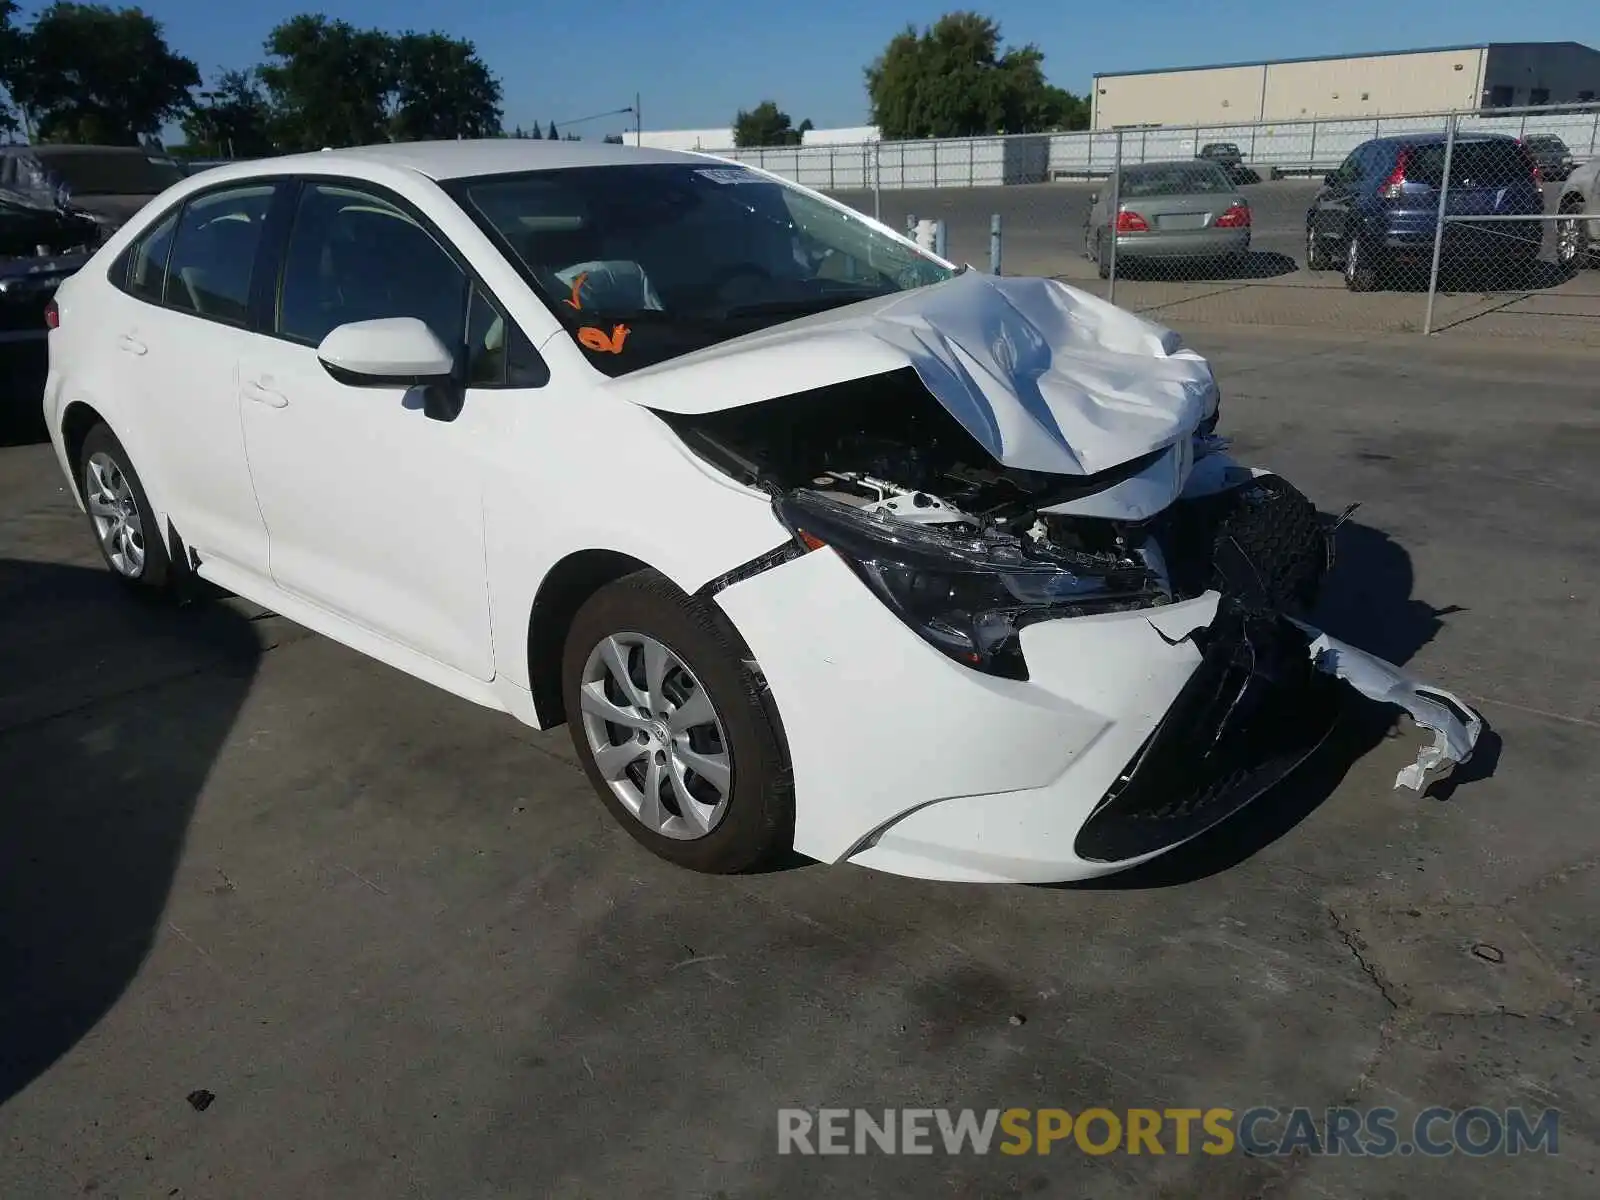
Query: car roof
464	159
1430	139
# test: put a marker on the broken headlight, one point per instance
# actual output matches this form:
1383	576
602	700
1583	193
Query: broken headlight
967	594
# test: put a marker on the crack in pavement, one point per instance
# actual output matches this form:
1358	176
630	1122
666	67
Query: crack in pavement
1353	943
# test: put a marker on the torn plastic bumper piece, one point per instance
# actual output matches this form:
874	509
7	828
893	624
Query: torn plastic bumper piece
1455	725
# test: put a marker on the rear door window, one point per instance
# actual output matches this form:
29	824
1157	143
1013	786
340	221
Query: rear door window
214	253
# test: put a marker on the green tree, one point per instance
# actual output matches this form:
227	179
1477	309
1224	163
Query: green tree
552	136
231	120
952	80
11	39
329	83
442	90
766	125
91	73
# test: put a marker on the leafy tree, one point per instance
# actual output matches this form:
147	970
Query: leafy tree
442	90
952	80
329	83
231	120
766	125
11	41
613	139
91	73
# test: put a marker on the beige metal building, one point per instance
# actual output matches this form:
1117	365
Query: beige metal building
1490	75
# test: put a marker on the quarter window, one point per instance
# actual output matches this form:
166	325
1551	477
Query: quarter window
214	252
147	265
353	256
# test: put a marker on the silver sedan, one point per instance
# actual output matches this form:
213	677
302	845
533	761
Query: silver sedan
1187	209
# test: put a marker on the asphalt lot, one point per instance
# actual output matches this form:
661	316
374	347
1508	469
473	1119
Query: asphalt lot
404	950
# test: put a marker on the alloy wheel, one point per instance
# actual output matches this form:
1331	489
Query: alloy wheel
115	514
655	735
1569	241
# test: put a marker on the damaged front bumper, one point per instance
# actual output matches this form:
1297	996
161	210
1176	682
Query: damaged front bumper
1133	732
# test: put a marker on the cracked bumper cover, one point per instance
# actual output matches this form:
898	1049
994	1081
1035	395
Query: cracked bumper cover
1133	732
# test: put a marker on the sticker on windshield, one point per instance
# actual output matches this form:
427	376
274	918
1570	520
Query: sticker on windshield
598	341
729	175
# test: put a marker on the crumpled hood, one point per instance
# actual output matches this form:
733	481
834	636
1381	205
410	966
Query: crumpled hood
1046	377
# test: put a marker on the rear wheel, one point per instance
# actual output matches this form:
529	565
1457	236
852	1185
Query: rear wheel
1360	271
671	728
119	512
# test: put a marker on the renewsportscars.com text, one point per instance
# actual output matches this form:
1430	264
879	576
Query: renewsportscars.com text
1260	1131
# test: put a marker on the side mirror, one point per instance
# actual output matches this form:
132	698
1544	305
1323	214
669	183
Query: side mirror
394	352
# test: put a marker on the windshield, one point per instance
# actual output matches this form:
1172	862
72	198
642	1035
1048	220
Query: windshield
111	172
1173	179
643	263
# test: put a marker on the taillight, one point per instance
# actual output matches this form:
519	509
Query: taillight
1395	184
1237	217
52	316
1131	222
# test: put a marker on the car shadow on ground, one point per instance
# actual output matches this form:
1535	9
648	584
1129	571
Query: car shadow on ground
1477	279
1368	602
113	711
1255	264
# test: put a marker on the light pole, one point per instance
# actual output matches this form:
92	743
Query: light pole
614	112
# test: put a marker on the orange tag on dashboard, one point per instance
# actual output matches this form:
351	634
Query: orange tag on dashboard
600	343
576	300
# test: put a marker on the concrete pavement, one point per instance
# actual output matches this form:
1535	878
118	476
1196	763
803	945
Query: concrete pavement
401	948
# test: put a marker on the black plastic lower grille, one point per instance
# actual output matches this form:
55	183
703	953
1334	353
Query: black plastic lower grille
1253	710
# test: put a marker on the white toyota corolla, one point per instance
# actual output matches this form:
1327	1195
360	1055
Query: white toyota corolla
813	539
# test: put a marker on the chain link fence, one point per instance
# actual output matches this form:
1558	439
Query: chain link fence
1357	225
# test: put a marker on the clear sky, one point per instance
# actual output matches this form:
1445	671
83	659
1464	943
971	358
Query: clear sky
696	62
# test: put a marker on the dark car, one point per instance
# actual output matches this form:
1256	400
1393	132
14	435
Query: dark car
1550	154
1227	156
1378	213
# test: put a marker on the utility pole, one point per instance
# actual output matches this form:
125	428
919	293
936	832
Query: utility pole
638	122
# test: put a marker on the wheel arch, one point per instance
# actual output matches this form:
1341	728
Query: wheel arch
562	592
76	421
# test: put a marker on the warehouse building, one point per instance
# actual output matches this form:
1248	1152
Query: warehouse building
1490	75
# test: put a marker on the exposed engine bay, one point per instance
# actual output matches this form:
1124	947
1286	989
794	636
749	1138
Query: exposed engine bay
885	446
969	552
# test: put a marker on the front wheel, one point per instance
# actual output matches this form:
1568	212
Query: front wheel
1572	242
671	728
120	516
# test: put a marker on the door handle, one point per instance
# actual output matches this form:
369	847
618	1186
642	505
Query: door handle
131	344
261	394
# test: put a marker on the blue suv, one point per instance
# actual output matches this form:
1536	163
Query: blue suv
1377	214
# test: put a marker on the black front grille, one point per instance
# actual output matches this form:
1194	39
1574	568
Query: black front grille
1252	711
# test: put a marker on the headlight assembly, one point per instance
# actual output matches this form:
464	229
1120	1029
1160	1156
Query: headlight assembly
968	595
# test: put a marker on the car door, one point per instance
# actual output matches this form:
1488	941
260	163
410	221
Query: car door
179	329
373	508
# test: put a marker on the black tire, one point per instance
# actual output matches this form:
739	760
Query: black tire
758	824
1317	256
1360	269
156	569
